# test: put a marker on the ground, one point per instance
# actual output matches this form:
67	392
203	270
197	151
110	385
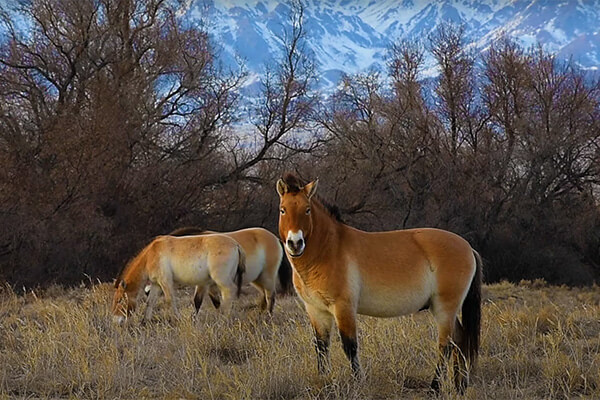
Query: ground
538	342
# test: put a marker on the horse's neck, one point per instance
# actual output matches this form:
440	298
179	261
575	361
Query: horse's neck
323	242
135	276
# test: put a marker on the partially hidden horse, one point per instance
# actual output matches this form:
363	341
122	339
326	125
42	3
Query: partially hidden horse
340	271
189	260
265	264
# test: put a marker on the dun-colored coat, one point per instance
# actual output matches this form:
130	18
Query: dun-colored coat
264	263
340	271
189	260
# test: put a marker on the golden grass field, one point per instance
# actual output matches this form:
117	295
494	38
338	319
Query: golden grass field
538	342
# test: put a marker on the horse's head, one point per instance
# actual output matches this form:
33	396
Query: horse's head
123	302
295	218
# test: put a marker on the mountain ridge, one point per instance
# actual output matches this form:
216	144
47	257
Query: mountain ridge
349	36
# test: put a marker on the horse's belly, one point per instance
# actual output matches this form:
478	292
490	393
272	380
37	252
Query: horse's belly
387	303
191	275
255	264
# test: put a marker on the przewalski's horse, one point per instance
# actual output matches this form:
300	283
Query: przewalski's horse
265	263
189	260
340	271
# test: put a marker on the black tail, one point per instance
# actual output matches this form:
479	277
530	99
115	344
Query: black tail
471	314
285	275
241	269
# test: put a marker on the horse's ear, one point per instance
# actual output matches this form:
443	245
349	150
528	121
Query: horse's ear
311	188
123	284
282	187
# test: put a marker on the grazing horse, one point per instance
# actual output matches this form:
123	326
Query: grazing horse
190	260
340	271
264	264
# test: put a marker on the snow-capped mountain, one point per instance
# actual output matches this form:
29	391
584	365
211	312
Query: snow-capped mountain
354	35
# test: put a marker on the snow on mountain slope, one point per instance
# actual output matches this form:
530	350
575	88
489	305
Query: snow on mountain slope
349	36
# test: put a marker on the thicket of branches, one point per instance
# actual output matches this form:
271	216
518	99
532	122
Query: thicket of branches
117	123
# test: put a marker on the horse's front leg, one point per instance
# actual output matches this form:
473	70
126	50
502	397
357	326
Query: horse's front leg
321	322
152	297
345	318
267	295
214	295
169	292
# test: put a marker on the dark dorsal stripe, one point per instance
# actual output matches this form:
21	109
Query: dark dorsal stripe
188	231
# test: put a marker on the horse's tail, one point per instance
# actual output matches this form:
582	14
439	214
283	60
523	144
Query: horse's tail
241	269
471	314
285	274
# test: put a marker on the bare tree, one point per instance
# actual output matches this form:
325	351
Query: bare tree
111	112
282	115
455	88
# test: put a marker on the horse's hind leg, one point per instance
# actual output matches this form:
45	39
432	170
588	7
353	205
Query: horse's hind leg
270	296
213	294
262	300
227	296
267	296
461	367
269	293
449	338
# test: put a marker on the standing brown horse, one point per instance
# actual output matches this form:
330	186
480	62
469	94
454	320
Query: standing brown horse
340	271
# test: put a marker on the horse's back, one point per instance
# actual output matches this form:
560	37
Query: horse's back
452	259
253	238
194	259
407	251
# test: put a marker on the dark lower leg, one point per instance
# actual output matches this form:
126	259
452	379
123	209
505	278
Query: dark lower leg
215	297
198	297
322	347
321	322
461	371
441	367
351	349
271	302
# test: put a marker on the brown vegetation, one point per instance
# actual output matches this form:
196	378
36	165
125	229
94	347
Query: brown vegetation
117	124
538	342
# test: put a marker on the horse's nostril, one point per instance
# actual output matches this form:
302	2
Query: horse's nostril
300	242
290	243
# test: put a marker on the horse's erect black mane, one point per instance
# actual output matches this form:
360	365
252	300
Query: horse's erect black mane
295	184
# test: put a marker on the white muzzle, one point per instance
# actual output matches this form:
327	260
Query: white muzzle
295	243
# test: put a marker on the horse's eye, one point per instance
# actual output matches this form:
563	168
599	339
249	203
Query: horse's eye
308	211
282	211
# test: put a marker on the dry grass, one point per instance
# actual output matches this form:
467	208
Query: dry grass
538	342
